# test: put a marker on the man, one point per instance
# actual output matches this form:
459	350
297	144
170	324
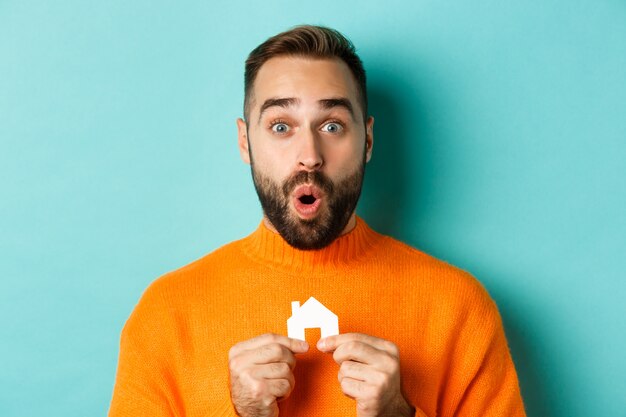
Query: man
418	336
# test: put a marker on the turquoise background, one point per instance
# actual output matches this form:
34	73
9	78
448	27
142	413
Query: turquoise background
499	147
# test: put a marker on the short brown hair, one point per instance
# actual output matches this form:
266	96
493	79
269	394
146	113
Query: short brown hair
307	41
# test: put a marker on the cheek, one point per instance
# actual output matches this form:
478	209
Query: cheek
345	159
271	164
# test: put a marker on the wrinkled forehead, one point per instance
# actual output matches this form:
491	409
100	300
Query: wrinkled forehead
306	79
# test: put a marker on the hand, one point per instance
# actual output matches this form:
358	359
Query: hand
369	372
261	373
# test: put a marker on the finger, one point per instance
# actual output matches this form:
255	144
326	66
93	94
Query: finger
268	354
358	352
354	370
331	343
355	389
276	370
280	388
294	345
272	353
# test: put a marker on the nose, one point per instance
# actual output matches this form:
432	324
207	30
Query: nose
310	154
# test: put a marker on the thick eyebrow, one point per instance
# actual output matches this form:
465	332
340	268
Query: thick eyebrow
277	102
330	103
326	104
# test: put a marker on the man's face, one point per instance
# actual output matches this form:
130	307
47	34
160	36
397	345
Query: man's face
307	143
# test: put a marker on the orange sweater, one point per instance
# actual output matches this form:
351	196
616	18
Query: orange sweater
453	352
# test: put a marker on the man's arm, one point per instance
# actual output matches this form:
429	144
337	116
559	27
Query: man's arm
487	384
141	387
481	380
145	382
478	376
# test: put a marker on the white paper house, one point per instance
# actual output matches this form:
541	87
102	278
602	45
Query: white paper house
310	315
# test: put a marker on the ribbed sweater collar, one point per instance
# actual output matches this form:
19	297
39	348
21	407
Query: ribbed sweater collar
269	248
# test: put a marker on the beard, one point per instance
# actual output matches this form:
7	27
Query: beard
340	199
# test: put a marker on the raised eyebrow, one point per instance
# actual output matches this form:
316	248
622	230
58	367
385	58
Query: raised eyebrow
283	102
329	103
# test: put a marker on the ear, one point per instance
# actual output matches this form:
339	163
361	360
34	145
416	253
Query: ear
369	137
242	141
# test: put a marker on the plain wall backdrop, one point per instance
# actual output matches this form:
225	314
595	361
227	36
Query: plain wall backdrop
500	145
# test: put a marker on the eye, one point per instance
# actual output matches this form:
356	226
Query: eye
280	127
332	127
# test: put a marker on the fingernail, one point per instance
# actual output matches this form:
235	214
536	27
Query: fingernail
321	344
304	345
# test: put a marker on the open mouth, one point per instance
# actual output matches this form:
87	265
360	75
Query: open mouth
307	200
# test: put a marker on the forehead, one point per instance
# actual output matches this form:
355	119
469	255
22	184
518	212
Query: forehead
305	78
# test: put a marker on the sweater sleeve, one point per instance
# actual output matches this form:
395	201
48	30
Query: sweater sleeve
486	374
145	383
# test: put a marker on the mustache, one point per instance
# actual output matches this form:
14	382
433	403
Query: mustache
316	178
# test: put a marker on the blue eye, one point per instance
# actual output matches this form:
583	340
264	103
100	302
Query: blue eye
280	128
332	127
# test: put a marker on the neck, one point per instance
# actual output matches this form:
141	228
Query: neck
268	247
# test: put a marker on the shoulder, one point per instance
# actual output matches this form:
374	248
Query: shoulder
449	284
454	298
175	291
201	269
410	254
409	257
